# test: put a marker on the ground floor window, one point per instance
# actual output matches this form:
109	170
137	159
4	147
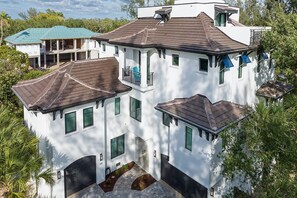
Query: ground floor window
188	141
117	146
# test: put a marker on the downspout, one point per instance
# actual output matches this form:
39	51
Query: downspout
105	139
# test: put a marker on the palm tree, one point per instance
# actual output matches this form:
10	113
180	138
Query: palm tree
19	158
4	21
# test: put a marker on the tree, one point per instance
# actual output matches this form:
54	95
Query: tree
4	22
263	151
19	158
131	7
282	42
31	13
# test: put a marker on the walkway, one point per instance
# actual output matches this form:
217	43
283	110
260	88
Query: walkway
122	188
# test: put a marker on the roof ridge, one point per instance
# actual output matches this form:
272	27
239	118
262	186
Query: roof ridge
206	30
33	81
144	37
49	85
85	85
129	36
119	27
210	117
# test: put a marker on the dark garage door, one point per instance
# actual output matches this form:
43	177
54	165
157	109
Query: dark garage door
180	181
80	174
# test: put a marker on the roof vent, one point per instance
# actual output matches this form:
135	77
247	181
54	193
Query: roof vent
164	12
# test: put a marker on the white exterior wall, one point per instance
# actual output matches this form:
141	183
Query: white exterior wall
32	50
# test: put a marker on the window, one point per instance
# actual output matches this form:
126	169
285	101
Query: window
135	109
117	146
116	50
270	63
175	59
203	65
88	117
222	73
117	106
166	119
103	47
221	19
70	122
188	141
240	68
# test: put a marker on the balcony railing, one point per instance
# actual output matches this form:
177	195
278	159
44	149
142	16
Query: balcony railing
135	77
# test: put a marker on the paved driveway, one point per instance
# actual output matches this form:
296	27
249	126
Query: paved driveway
122	188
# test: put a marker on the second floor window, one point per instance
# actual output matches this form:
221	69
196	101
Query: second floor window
70	122
116	50
117	106
88	117
175	59
103	47
203	65
221	19
222	73
240	68
166	119
135	109
188	138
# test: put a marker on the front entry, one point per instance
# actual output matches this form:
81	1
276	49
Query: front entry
142	153
80	174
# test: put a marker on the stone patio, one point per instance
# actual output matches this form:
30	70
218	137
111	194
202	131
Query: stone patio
122	188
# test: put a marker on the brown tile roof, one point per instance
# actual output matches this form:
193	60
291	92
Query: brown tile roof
196	34
199	111
71	85
274	89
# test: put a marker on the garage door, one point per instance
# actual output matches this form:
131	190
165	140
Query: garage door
80	174
180	181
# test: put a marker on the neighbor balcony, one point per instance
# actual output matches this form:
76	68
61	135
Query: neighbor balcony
133	75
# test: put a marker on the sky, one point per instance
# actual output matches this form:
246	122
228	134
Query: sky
70	8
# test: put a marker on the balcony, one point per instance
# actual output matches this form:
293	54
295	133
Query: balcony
256	36
134	76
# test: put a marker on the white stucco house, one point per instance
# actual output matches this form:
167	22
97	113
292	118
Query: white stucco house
163	89
47	46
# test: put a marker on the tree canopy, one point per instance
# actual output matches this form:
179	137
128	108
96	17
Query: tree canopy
263	150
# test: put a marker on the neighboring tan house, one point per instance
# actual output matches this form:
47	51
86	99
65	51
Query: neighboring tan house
48	46
164	88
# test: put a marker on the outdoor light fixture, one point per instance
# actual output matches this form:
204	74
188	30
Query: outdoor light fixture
59	174
101	156
212	192
155	153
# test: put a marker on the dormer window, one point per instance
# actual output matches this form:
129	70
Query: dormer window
221	19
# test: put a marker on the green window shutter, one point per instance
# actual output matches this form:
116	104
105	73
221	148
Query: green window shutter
70	122
217	20
117	107
188	138
88	117
121	145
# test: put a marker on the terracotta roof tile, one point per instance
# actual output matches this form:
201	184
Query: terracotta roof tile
73	84
196	34
274	89
199	111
